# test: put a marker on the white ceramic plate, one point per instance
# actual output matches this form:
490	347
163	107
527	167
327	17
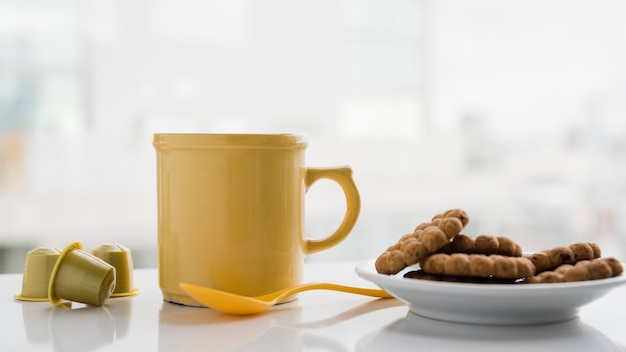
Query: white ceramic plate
510	304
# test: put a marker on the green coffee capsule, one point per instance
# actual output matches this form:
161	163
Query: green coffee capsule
37	271
81	277
120	258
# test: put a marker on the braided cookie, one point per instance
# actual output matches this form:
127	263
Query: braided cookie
551	259
459	214
478	265
594	269
427	238
483	244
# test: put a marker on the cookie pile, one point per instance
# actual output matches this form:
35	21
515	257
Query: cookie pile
444	254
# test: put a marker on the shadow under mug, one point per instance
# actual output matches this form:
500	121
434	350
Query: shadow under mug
231	211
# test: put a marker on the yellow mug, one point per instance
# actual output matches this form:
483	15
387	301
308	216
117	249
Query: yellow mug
231	211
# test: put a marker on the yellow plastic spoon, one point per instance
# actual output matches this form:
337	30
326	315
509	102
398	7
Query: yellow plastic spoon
232	303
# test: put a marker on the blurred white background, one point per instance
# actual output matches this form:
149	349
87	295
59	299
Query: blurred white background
512	110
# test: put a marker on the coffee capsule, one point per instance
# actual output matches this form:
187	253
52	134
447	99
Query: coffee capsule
81	277
120	258
37	271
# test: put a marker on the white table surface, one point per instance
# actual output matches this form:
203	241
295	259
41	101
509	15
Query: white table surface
316	321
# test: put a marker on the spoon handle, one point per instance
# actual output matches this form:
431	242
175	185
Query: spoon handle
326	286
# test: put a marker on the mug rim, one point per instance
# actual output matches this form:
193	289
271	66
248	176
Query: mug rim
229	140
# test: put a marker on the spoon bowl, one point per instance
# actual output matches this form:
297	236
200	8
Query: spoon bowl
232	303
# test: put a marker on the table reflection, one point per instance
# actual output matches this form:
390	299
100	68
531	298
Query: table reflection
184	328
414	330
72	327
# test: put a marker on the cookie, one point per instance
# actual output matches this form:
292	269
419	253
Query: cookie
483	244
427	238
478	265
583	270
551	259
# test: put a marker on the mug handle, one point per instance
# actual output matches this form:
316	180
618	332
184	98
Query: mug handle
343	176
